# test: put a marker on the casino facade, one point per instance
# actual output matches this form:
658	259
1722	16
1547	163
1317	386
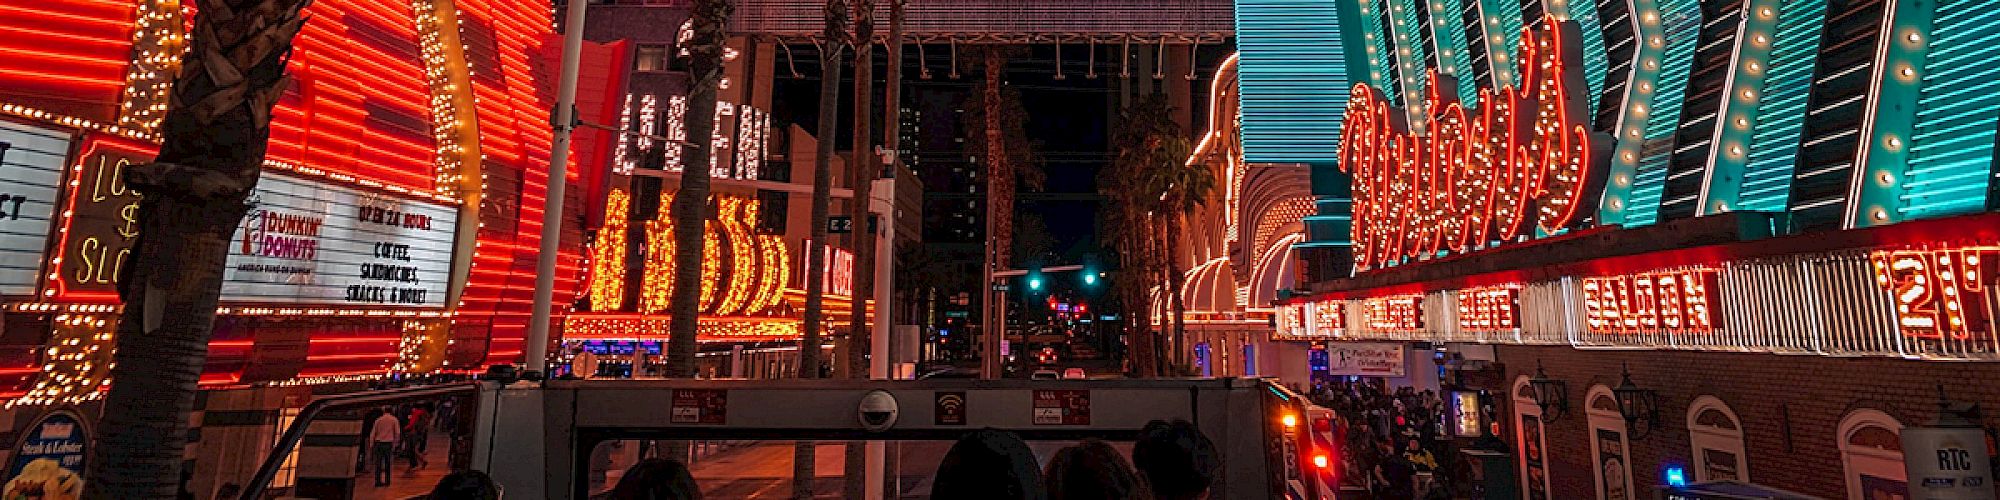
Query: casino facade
1770	222
394	228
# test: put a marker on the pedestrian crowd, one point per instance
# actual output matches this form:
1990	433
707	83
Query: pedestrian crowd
1392	437
403	431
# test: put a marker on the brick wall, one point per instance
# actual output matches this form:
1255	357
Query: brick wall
1789	408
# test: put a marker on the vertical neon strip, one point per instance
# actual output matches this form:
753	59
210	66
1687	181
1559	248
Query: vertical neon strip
1682	32
1410	57
1448	33
1639	96
1595	61
1296	65
1881	174
1951	152
1724	181
1292	80
1503	34
1779	122
1381	59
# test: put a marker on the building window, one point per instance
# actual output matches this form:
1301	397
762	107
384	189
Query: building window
1533	444
1717	438
1871	452
1610	451
652	58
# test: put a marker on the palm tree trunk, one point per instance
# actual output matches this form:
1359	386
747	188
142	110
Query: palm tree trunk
829	105
690	210
1168	357
214	138
1178	282
861	173
998	206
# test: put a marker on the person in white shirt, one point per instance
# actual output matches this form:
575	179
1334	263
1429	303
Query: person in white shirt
382	444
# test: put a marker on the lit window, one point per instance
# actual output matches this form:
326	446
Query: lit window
652	58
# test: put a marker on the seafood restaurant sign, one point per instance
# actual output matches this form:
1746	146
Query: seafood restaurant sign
1523	163
311	242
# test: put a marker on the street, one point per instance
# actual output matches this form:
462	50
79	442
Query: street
764	469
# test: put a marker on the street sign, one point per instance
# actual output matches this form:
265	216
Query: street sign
1001	287
1061	407
840	224
699	406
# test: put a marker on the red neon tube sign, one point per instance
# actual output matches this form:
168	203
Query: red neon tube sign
1939	293
1524	159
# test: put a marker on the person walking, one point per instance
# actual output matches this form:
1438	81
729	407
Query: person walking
382	452
416	436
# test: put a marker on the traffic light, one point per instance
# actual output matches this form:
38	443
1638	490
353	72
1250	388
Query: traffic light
1034	282
1089	278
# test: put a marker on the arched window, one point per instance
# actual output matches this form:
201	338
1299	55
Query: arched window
1531	443
1717	438
1610	451
1871	452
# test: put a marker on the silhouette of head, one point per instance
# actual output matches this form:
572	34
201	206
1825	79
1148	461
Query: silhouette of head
656	479
1177	461
466	485
1092	470
988	464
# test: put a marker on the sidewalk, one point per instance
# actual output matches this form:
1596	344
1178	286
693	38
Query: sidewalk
406	485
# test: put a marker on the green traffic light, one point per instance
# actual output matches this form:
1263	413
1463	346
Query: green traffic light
1089	279
1035	283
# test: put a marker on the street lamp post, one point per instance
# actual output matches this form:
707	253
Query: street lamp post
537	350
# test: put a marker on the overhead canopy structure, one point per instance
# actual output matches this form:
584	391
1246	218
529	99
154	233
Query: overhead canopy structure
1012	21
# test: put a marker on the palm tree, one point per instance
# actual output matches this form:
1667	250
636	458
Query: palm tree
1147	144
822	198
213	142
862	172
1125	229
690	209
1184	187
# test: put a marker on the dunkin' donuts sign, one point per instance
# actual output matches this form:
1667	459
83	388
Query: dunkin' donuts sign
1522	163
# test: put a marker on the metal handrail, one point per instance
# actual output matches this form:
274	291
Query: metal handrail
297	432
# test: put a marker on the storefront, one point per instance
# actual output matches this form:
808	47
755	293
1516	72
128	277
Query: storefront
1723	242
393	225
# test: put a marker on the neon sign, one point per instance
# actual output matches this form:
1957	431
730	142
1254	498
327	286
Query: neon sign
1523	161
1489	308
1291	320
1398	313
1938	293
1321	319
1329	316
1677	301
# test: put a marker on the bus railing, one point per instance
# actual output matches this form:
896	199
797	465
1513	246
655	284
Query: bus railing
268	470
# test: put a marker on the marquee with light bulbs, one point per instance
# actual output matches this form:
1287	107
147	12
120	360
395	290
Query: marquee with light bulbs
1837	117
428	119
1746	176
